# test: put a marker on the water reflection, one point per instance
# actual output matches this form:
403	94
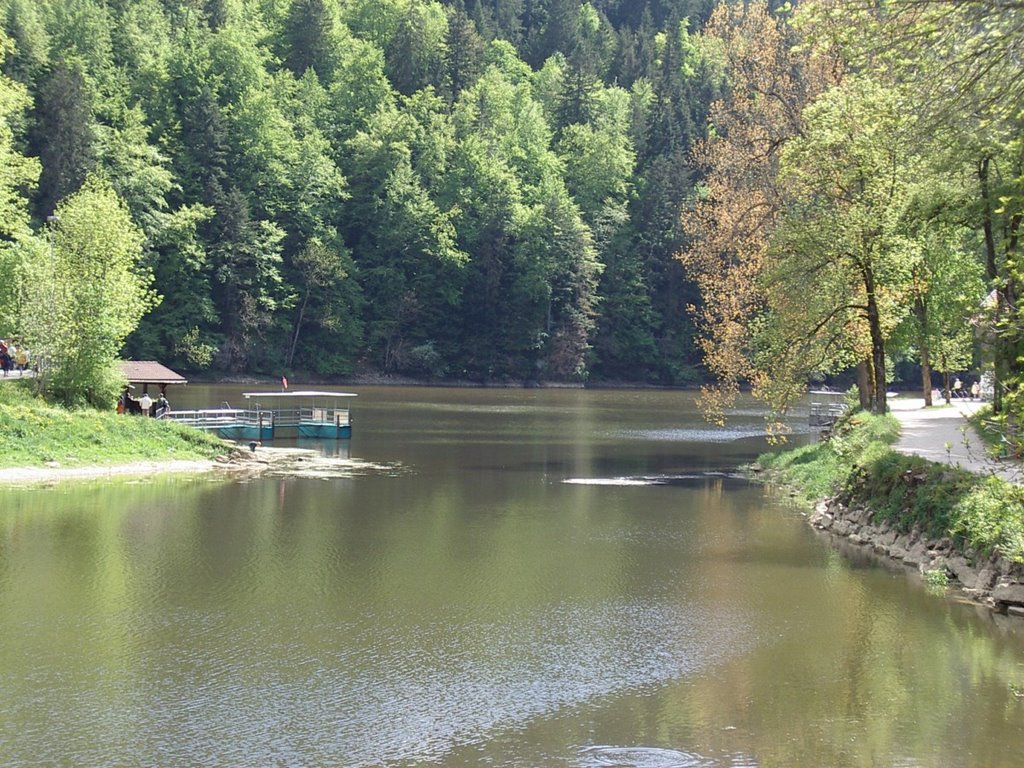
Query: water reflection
478	609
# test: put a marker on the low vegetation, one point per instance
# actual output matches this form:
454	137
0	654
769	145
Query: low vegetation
821	469
858	465
999	431
34	433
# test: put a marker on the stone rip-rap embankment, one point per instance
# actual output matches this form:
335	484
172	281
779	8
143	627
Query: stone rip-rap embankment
942	435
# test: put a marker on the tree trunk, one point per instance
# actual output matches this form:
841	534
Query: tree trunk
926	377
999	371
921	310
298	329
878	404
864	384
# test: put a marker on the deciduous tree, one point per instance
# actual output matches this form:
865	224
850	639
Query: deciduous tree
841	261
86	300
740	201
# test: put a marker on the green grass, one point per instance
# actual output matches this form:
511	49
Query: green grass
857	464
820	469
34	433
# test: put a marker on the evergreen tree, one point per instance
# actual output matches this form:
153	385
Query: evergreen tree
311	37
464	52
63	137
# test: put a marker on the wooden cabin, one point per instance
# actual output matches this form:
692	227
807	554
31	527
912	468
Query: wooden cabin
143	373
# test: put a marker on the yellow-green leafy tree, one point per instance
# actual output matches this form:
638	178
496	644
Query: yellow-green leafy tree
85	292
740	202
843	257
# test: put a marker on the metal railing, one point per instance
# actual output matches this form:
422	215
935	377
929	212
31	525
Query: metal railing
825	414
215	418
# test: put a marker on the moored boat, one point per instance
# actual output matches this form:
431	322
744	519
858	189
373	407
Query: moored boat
288	414
305	413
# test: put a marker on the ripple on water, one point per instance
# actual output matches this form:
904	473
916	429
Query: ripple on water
691	435
640	757
688	480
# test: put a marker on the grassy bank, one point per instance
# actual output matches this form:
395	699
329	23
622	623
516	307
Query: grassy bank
857	464
33	433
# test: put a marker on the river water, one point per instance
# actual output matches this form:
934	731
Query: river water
540	578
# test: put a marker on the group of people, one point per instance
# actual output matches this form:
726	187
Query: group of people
959	391
142	406
13	357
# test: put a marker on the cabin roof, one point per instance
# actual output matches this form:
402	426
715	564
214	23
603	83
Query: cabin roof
149	372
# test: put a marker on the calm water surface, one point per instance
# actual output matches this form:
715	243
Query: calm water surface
539	578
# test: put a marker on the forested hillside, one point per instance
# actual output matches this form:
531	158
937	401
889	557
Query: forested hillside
483	190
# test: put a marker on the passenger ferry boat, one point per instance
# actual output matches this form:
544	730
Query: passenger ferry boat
277	415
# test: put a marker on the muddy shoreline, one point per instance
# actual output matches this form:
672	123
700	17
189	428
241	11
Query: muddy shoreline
238	463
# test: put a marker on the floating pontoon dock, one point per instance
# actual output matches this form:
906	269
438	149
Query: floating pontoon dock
277	415
826	407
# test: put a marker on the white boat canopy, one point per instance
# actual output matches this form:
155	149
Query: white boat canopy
297	393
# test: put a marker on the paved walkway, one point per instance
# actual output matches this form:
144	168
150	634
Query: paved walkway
16	375
943	434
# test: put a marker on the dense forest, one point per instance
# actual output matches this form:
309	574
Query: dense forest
484	190
667	191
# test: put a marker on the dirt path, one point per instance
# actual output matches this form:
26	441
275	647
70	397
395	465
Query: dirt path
943	434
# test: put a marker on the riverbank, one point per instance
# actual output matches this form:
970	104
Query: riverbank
35	434
959	529
44	444
234	462
987	578
55	472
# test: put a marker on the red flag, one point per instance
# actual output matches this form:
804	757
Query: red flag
284	382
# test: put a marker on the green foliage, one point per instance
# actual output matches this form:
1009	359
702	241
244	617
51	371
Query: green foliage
991	517
822	468
813	471
849	177
87	296
858	434
1000	431
856	463
17	172
937	580
470	168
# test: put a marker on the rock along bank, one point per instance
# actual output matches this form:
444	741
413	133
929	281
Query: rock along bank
989	579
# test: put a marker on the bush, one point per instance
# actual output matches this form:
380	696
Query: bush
824	468
991	517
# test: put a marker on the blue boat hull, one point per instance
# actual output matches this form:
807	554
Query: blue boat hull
268	432
245	432
326	431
